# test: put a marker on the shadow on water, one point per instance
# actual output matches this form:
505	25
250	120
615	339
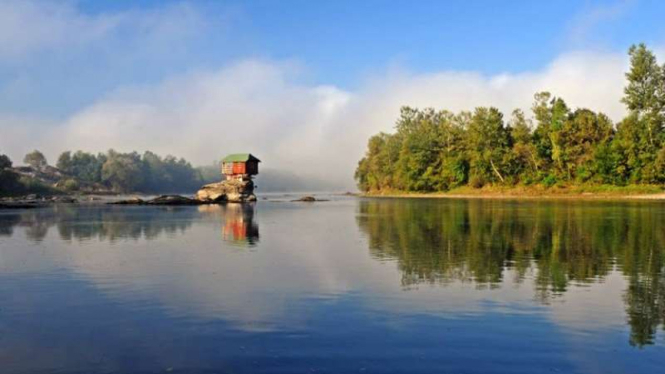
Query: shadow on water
560	243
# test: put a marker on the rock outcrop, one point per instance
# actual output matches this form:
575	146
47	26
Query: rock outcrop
234	191
308	199
160	200
35	201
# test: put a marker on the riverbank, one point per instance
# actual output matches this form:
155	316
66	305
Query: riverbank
639	192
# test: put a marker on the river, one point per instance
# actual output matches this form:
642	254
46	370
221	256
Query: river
342	286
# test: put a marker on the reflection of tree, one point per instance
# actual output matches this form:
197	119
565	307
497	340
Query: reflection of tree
564	242
7	223
101	222
644	263
238	224
645	302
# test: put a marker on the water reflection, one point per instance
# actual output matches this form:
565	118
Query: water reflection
562	243
7	223
238	224
103	223
419	285
113	223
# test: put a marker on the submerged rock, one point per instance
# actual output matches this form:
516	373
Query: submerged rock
233	190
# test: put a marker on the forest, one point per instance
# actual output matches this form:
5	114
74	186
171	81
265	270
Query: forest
437	150
104	172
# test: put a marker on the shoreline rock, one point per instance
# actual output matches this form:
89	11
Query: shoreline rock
308	199
35	201
160	200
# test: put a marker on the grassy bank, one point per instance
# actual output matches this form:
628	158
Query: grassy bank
538	191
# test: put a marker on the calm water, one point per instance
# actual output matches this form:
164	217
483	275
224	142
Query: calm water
345	286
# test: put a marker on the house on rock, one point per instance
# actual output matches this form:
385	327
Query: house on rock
238	187
240	166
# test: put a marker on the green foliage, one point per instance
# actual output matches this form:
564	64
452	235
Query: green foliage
5	162
12	184
437	150
9	181
32	185
84	166
549	181
123	171
131	172
35	159
71	185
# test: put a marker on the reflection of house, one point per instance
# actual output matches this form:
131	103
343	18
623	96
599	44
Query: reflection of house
240	166
239	225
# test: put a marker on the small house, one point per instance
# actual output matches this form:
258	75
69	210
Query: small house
240	166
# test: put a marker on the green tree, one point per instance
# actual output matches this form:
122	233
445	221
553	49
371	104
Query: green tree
435	150
123	172
645	92
5	162
9	180
488	142
578	139
526	163
372	169
641	133
35	159
419	162
64	162
88	167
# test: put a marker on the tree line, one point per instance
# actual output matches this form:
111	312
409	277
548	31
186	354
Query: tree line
114	171
437	150
128	172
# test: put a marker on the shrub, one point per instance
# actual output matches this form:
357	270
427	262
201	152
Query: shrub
71	185
549	181
477	181
31	185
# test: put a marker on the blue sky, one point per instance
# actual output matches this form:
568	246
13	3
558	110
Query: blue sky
341	41
98	74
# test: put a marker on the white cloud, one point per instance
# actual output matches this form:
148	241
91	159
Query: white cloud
30	27
318	130
253	105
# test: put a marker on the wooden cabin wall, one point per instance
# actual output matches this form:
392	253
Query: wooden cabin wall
227	168
239	168
252	167
231	168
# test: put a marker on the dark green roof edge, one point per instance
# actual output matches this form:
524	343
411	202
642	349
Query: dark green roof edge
240	157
